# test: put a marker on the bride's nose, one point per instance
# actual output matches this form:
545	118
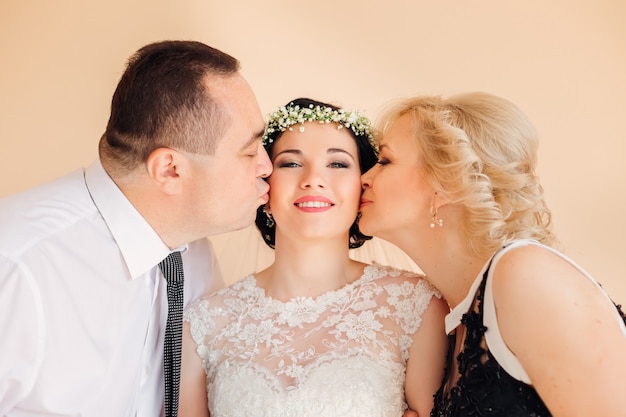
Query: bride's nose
312	178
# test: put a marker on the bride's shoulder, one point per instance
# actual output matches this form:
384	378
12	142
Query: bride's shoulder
238	289
380	271
389	275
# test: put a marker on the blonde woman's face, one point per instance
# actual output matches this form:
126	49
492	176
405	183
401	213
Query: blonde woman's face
396	199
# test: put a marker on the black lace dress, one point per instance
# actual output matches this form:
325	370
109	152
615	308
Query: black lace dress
478	385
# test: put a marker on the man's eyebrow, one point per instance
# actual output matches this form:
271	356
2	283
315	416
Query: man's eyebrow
255	136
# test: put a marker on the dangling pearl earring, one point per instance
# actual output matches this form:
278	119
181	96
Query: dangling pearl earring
435	220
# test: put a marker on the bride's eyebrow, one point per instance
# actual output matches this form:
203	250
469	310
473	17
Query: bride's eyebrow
339	150
288	151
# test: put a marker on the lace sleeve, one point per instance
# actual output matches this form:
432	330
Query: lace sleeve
418	298
201	326
408	296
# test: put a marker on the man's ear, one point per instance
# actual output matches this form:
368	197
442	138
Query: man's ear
164	168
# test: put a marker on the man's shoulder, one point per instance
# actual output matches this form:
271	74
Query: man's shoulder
37	213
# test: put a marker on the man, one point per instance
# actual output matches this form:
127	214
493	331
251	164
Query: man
83	302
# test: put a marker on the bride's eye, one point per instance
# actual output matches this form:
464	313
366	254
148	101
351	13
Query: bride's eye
288	164
339	164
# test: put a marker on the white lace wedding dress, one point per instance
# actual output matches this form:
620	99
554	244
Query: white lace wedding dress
340	354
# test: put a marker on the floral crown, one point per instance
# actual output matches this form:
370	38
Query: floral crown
287	116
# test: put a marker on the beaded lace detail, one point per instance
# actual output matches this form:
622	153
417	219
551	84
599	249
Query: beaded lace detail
343	353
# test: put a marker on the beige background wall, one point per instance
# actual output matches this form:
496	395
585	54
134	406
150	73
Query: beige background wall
562	61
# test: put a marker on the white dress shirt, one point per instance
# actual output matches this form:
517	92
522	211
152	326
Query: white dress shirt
83	303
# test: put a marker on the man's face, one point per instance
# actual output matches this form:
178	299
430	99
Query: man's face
226	188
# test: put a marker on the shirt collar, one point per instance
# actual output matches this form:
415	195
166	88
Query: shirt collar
140	246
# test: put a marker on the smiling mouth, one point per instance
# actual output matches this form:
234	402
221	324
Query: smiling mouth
313	204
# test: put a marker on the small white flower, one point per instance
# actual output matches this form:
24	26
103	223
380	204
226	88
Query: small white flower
287	116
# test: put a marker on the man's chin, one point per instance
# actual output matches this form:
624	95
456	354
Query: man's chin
244	223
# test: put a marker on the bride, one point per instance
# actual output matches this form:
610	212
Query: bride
316	333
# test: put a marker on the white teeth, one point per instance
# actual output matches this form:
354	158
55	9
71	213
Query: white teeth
316	204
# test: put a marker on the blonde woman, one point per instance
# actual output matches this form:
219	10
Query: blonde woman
531	334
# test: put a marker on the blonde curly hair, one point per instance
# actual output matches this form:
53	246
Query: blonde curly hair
480	152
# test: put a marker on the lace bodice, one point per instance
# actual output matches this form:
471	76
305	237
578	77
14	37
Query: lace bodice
343	353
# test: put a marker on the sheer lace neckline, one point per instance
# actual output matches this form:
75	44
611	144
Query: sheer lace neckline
323	299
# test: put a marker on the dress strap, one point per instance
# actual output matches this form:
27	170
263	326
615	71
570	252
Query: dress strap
493	337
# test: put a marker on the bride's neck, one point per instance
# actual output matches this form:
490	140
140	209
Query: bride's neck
309	269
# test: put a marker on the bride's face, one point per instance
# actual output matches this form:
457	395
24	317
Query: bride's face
315	187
